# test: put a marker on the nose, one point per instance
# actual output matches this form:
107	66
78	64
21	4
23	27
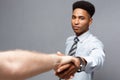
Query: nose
76	21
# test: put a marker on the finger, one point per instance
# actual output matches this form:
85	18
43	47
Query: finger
62	72
67	73
63	67
59	53
76	61
70	72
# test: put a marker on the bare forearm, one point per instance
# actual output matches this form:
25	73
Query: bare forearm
24	64
21	64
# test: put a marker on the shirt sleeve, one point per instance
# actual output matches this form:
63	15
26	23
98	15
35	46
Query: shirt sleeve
95	60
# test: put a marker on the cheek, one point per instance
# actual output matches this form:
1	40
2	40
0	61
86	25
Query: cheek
72	22
85	23
84	26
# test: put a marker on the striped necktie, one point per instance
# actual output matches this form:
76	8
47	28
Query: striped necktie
74	47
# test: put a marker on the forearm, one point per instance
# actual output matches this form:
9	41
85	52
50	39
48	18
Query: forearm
95	60
21	64
24	64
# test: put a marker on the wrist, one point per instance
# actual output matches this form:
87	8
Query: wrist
82	64
56	59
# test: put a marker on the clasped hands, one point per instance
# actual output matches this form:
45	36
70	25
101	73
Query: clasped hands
68	70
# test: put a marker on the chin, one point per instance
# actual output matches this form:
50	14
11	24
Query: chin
78	33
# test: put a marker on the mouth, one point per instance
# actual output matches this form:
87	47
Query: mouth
76	27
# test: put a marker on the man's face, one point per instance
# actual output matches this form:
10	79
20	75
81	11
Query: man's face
80	21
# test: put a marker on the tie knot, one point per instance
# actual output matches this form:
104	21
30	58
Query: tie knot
76	39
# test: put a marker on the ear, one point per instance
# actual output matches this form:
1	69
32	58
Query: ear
90	22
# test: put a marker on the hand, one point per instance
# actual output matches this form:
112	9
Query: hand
66	71
68	59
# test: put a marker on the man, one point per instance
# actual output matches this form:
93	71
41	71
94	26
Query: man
22	64
87	47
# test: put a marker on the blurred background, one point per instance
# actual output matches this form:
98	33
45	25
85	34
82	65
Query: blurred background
44	25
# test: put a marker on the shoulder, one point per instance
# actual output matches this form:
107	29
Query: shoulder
70	38
93	41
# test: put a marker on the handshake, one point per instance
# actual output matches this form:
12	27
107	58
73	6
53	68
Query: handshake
67	67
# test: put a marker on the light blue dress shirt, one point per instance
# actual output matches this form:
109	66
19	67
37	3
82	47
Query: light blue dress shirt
91	49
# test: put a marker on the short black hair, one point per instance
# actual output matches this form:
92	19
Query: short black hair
89	7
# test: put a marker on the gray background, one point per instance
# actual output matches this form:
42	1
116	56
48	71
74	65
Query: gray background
44	25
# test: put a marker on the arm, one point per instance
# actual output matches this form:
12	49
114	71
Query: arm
19	64
95	60
91	63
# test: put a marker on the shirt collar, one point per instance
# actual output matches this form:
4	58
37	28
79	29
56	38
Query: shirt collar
83	36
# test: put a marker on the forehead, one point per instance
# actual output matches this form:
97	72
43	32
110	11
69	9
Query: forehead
80	12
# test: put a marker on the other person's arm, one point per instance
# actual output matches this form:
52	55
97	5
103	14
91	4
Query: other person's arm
21	64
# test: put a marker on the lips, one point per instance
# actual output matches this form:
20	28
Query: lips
76	27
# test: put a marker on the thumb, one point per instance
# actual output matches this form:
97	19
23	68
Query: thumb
59	53
76	62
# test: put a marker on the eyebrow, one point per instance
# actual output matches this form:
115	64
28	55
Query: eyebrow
77	16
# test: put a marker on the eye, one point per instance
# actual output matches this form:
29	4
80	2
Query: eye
82	17
73	17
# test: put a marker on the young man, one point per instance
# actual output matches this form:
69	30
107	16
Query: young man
22	64
88	48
